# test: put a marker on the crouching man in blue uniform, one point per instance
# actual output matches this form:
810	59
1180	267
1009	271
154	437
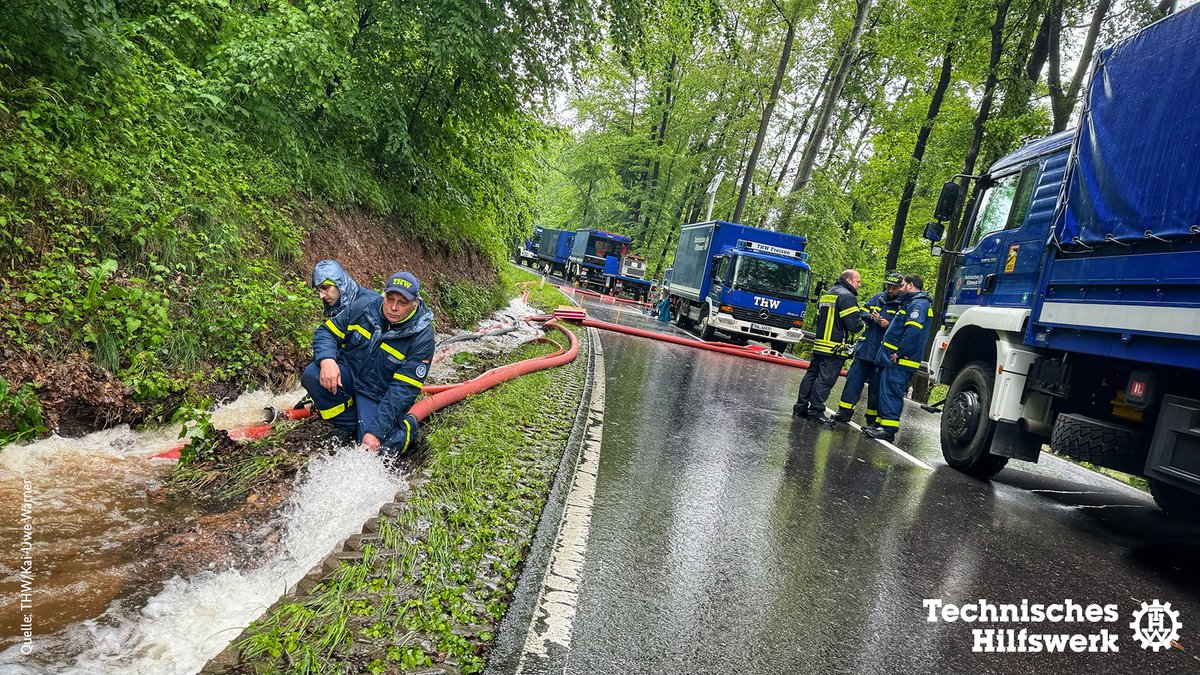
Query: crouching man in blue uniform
877	314
369	363
900	355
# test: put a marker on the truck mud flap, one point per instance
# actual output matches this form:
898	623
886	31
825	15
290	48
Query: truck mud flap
1012	441
1175	451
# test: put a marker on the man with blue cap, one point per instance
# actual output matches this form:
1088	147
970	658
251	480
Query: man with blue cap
877	315
370	362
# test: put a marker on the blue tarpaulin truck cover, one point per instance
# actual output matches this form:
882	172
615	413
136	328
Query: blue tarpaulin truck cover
1136	169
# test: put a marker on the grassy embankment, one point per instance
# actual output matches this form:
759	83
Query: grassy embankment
163	164
429	580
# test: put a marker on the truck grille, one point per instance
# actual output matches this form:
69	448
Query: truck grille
773	320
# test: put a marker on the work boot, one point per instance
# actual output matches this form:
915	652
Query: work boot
842	417
800	410
880	433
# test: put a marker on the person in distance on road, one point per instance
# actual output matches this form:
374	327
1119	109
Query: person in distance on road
837	321
370	362
899	355
877	314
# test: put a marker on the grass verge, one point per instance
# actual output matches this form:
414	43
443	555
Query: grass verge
429	582
542	296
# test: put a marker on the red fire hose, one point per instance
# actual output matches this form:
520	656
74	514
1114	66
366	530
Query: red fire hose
441	395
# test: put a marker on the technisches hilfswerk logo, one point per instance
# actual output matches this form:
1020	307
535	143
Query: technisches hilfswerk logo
1018	627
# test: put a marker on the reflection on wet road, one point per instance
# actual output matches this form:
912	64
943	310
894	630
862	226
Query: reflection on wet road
729	537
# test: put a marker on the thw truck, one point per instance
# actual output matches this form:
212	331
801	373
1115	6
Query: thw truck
1073	314
527	252
626	275
743	281
554	249
589	253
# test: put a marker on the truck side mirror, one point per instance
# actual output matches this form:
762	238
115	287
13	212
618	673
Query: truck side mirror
946	202
934	231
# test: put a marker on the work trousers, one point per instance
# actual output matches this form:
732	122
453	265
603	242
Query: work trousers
893	385
822	372
862	371
351	412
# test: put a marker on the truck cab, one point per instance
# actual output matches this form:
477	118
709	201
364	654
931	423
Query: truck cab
589	253
1072	316
741	282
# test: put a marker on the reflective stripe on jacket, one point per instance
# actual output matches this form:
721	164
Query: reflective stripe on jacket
872	337
838	318
906	336
389	361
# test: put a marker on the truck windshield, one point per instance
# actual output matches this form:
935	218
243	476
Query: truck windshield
768	277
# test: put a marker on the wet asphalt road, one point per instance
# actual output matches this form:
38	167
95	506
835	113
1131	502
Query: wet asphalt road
729	537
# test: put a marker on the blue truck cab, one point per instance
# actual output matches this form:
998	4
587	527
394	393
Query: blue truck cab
527	252
589	253
554	249
1072	316
743	282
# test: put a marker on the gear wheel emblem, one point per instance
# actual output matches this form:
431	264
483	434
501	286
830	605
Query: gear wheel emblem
1156	625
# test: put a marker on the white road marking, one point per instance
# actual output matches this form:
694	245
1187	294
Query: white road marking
890	446
554	613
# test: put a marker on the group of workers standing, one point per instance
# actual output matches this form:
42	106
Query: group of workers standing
370	357
894	325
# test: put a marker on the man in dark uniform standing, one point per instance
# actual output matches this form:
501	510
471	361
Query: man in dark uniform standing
878	314
900	355
837	321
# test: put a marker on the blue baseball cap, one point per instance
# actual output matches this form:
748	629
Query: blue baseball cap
403	283
893	279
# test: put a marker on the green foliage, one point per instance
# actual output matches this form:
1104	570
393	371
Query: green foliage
20	413
467	301
154	153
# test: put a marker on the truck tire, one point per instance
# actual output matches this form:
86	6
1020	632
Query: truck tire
1110	445
1176	501
967	429
706	331
779	346
681	318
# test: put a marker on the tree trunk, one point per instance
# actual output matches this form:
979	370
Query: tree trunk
1062	104
765	120
985	108
812	108
918	153
821	127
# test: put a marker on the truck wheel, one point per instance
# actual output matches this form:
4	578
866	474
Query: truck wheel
706	331
1176	501
967	429
681	318
1104	443
779	346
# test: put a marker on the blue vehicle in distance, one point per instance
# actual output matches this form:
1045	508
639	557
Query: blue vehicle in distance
527	252
740	282
553	250
589	253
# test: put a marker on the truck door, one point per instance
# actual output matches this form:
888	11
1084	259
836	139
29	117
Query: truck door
720	279
995	270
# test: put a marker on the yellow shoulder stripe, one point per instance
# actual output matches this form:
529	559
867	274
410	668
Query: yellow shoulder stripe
334	329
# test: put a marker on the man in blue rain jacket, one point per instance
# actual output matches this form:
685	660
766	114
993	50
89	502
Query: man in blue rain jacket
370	362
877	314
900	355
336	289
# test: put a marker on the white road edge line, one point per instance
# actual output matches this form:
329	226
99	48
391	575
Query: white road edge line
559	594
890	446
